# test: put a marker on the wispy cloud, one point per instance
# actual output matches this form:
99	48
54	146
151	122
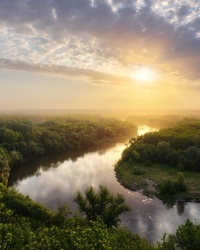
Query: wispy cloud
102	35
91	75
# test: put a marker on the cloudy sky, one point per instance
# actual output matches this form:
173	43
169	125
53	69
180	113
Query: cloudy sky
99	54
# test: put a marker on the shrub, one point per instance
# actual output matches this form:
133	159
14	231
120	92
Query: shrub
138	171
187	237
180	182
167	186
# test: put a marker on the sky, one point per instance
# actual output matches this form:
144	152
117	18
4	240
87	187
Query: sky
99	54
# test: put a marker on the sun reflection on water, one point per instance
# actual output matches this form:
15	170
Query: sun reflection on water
143	129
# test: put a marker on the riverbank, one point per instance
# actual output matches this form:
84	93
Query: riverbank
23	138
149	182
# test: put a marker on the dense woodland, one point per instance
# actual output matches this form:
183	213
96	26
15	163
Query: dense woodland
23	138
178	146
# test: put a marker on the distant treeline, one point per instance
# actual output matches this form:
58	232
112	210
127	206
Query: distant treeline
157	121
27	137
178	146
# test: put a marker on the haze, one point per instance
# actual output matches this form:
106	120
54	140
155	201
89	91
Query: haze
84	54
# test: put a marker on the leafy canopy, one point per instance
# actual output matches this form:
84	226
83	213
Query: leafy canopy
102	204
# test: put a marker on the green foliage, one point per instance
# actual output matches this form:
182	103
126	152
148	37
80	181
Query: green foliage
23	138
178	146
171	187
167	186
135	155
63	212
25	232
125	240
138	170
81	234
101	204
15	231
4	166
19	230
187	237
24	206
180	182
76	233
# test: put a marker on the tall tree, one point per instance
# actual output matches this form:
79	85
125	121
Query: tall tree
102	204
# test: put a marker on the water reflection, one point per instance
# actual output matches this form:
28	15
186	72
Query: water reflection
57	178
143	129
180	205
31	167
53	182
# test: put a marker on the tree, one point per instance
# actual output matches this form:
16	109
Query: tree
4	166
180	182
187	237
101	204
164	149
167	186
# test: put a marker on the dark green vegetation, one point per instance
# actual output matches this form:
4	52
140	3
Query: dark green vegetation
187	237
102	204
23	138
27	225
160	156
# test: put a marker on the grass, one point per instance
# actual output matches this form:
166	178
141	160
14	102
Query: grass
150	181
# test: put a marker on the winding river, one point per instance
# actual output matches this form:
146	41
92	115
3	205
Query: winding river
57	178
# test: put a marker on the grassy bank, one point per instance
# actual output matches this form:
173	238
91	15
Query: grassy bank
150	180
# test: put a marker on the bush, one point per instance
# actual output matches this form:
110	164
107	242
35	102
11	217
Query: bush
180	182
138	171
171	187
167	186
187	237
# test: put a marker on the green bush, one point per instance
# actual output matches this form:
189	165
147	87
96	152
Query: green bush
167	186
138	170
180	182
187	237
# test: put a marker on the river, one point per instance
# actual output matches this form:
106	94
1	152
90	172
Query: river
56	178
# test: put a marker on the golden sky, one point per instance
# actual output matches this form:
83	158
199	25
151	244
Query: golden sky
99	54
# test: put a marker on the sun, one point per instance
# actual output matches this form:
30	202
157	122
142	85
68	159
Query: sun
144	74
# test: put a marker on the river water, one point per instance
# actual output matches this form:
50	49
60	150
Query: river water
56	178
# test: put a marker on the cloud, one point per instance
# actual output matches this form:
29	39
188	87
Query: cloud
92	75
101	33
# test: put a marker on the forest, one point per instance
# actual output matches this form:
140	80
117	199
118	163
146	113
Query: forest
28	137
166	157
178	146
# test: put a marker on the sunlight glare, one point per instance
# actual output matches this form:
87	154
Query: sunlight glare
143	129
144	74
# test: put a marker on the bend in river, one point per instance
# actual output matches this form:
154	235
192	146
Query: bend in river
57	178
